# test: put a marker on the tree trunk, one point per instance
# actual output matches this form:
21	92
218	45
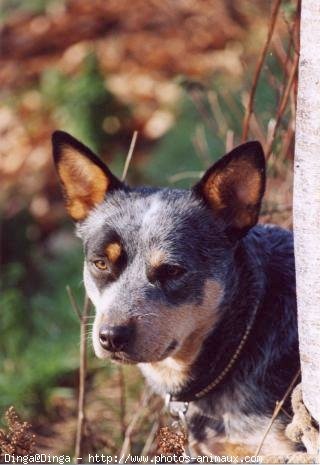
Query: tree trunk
306	204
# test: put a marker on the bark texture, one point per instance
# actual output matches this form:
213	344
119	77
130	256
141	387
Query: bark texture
307	204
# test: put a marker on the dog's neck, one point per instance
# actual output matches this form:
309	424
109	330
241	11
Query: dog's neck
184	380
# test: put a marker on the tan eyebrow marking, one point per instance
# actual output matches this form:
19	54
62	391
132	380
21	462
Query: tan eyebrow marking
157	257
113	251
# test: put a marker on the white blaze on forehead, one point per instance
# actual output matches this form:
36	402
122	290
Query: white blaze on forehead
152	212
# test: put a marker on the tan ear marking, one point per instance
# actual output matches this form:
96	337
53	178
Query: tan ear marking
233	187
113	251
85	183
240	181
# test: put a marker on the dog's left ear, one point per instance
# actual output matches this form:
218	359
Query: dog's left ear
234	186
85	179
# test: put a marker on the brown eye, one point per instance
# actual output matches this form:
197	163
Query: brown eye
165	273
100	264
173	271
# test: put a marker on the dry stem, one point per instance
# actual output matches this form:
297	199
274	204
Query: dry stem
129	155
73	302
283	104
276	411
122	387
83	317
196	94
150	439
201	146
249	109
125	449
185	175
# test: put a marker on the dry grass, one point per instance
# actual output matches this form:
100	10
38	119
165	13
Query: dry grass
17	438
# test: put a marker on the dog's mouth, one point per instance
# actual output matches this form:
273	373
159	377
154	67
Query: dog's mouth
124	358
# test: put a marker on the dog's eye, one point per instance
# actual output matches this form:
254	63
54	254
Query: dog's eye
172	271
167	272
100	264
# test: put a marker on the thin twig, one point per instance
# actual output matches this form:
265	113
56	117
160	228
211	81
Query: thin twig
276	411
288	91
249	109
122	387
287	413
185	175
282	55
129	155
196	95
217	112
150	439
288	141
283	104
200	144
125	449
293	27
73	302
120	369
256	130
270	129
229	140
83	317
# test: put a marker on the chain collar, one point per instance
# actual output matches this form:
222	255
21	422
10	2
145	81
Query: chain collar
175	399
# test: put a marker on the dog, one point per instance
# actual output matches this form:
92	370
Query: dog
187	286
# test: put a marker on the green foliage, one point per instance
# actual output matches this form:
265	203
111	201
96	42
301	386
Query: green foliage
33	6
39	332
80	103
176	152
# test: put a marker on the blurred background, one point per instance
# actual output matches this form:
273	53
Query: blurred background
181	73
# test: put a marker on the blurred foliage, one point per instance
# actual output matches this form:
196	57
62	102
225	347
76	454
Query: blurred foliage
80	103
31	6
215	111
39	340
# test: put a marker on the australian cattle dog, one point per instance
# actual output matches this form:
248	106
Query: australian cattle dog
187	286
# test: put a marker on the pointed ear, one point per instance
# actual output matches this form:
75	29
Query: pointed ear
85	179
234	186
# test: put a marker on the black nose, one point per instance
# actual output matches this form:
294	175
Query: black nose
115	338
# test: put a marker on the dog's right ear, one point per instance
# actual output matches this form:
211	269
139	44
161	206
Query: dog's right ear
233	188
85	179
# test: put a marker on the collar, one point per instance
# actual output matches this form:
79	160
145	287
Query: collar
191	393
221	350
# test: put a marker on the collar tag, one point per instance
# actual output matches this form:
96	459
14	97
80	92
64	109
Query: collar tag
176	408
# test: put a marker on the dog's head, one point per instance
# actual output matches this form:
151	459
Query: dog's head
157	260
